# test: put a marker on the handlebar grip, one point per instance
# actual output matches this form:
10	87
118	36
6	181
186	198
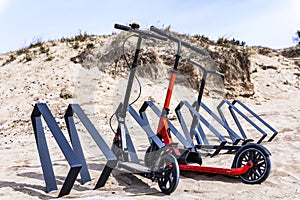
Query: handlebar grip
122	27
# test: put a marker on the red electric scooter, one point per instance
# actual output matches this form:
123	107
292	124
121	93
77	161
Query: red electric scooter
251	161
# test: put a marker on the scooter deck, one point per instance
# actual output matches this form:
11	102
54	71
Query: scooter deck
134	167
217	170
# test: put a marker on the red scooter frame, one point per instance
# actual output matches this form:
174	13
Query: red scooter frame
163	130
216	170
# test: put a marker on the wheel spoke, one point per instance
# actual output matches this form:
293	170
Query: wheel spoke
170	177
247	156
251	155
261	169
247	174
258	158
252	174
256	173
261	164
164	183
244	159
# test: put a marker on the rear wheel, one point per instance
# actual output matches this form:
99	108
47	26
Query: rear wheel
169	178
261	163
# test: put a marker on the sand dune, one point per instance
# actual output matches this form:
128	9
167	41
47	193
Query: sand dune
51	77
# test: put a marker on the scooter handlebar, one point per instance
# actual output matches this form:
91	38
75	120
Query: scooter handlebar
175	39
140	32
160	32
122	27
196	49
203	68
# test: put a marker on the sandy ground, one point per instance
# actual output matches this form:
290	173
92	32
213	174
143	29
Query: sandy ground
23	84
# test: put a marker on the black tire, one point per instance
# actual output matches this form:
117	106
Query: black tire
260	159
169	180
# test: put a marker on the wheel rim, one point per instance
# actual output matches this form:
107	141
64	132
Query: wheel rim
260	164
170	174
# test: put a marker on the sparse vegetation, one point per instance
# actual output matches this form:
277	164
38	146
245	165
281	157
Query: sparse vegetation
44	49
90	46
226	42
201	37
9	60
12	58
81	37
76	45
264	50
28	57
29	51
291	52
21	51
36	42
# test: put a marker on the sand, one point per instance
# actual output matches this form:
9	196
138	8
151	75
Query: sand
23	83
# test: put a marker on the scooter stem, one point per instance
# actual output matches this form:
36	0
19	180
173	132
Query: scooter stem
131	78
163	127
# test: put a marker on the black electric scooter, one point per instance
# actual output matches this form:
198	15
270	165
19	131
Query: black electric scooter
164	167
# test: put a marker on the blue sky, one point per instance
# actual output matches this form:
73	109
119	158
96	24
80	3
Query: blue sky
270	23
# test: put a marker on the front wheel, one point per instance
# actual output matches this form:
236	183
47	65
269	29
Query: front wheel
259	156
169	178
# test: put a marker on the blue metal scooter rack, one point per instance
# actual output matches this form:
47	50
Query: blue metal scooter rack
73	154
